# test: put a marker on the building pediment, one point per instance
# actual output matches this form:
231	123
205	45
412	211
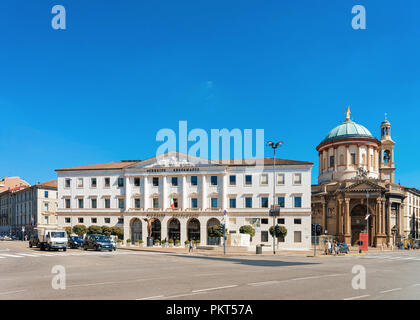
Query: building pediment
172	159
364	186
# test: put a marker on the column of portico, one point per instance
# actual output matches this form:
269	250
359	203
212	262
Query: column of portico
127	187
164	193
339	217
203	192
388	227
368	158
184	193
224	191
347	226
383	216
335	153
164	228
145	193
324	221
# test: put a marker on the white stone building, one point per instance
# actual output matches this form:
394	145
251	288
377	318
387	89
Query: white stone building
125	193
411	217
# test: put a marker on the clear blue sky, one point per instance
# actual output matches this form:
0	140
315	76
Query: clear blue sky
100	90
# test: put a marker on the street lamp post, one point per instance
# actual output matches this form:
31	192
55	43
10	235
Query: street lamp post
274	145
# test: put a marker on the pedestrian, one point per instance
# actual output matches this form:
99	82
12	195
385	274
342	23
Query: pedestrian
329	247
335	248
191	246
408	245
401	245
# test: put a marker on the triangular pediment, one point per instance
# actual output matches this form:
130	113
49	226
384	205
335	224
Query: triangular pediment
172	159
363	186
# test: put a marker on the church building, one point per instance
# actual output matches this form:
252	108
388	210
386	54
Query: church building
356	188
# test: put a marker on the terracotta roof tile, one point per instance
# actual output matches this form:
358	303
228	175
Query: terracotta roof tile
110	165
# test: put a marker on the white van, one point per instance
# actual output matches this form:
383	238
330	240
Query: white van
53	240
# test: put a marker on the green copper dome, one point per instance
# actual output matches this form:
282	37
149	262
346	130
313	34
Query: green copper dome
348	129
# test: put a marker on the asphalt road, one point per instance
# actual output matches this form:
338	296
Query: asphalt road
27	274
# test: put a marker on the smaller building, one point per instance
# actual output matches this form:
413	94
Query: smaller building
411	214
25	209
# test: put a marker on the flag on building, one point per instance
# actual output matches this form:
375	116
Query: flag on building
367	216
172	201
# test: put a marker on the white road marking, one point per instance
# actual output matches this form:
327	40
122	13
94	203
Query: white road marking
217	288
416	285
262	283
148	298
182	295
391	290
359	297
29	255
318	277
11	255
10	292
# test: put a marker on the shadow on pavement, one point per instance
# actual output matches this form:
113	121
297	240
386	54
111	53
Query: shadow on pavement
250	262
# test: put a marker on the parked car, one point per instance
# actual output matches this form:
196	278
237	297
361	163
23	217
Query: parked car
343	247
97	242
75	242
34	241
7	238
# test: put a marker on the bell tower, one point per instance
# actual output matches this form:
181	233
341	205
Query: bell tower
386	157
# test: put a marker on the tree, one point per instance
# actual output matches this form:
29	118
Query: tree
117	231
282	232
68	230
247	230
80	230
106	231
94	230
215	232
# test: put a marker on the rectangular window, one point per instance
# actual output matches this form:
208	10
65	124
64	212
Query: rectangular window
80	182
213	180
45	194
297	221
67	220
232	203
331	161
120	220
175	202
67	183
107	220
280	221
94	203
80	201
174	181
194	203
280	201
264	236
93	182
353	158
137	203
298	236
194	180
80	220
121	203
248	202
156	181
137	182
232	180
120	182
264	202
94	220
280	178
214	203
248	180
45	206
264	179
297	178
155	203
264	221
298	202
67	203
107	182
45	219
107	203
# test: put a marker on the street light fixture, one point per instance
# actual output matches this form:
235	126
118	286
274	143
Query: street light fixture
274	145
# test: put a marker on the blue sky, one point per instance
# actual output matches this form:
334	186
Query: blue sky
100	90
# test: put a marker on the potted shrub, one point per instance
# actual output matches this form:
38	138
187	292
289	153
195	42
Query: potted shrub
186	242
119	241
157	242
177	242
141	243
171	242
128	241
137	241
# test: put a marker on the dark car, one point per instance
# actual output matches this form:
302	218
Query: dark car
34	241
343	247
97	242
75	242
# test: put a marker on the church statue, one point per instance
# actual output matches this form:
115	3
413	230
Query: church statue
149	222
